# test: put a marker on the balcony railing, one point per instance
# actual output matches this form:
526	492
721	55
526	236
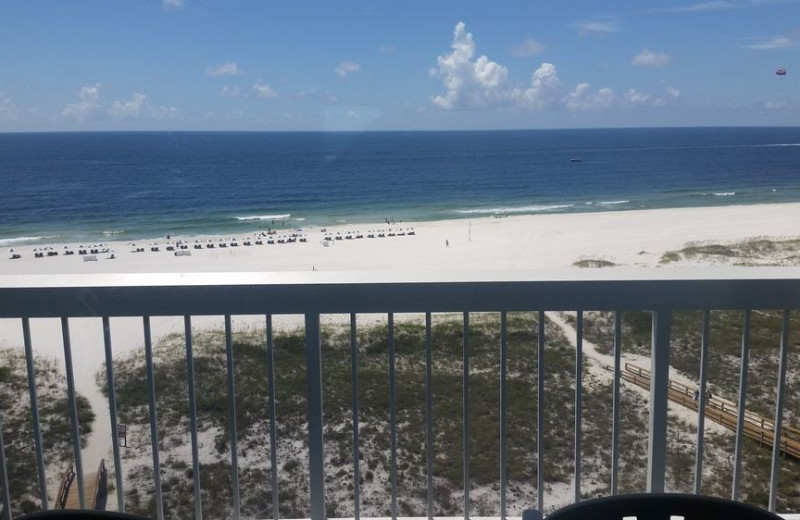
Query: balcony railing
311	295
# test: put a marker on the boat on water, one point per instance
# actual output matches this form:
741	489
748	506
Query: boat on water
576	159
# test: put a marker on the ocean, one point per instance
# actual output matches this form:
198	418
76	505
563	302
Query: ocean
66	187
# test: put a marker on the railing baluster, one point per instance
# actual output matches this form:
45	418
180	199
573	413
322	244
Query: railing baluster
112	409
73	411
540	415
578	400
356	450
701	404
615	407
659	397
737	458
187	328
37	432
429	414
315	433
273	430
503	398
465	390
4	485
151	396
776	443
392	418
232	417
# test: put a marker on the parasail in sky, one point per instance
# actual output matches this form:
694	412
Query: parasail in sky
780	72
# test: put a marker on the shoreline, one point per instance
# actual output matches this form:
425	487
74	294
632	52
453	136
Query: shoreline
242	225
636	238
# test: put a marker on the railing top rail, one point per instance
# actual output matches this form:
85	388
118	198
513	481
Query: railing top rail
169	294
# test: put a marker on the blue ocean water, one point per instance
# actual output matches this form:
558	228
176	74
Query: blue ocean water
62	187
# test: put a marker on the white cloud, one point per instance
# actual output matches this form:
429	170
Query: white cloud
582	98
263	90
637	98
229	68
470	84
544	92
595	28
88	104
718	5
673	92
230	91
387	49
162	113
776	42
480	83
130	109
346	68
173	4
529	47
715	5
648	58
8	112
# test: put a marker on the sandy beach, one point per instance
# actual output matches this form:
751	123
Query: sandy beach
545	241
549	241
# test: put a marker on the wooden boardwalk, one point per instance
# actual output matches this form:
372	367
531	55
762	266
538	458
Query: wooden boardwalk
95	490
721	411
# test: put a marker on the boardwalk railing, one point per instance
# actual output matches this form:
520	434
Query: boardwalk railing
314	294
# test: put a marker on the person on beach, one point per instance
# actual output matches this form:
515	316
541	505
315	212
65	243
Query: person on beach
446	243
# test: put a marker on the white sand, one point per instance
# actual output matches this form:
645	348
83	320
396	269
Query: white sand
627	238
521	242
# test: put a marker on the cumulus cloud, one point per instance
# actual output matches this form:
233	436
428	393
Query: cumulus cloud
583	98
648	58
476	82
229	68
88	103
129	109
90	106
637	98
346	68
263	90
480	83
528	47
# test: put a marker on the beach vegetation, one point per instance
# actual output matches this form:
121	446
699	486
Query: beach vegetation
17	425
749	252
587	262
372	341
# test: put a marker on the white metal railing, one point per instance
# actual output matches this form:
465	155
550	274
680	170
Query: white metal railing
315	294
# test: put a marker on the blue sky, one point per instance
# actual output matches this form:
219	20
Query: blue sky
380	65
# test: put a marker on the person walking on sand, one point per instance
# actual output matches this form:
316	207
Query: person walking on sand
446	243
